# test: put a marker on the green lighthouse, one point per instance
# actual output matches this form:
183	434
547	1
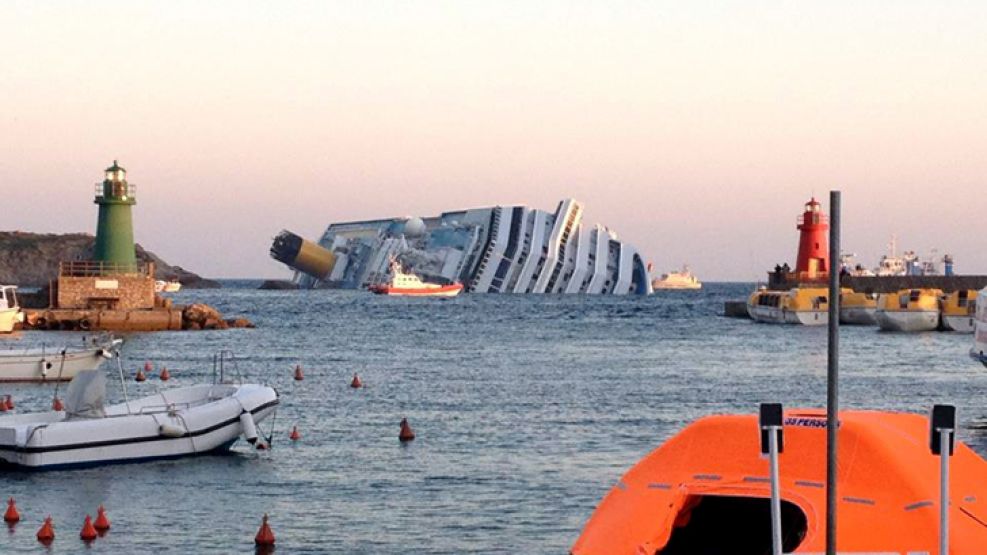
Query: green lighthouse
115	228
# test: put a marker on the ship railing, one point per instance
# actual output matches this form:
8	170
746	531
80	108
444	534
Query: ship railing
99	268
813	219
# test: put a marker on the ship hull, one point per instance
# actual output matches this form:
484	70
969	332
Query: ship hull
443	291
858	316
770	315
911	320
962	324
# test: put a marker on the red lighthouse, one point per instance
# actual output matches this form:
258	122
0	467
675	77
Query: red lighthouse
813	259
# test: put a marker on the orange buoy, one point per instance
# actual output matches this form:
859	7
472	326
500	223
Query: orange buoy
299	375
406	434
165	375
47	531
102	523
294	435
57	404
10	402
88	532
3	405
12	515
356	383
140	377
264	536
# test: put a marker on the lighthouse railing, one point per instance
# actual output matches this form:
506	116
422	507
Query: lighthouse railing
115	190
97	268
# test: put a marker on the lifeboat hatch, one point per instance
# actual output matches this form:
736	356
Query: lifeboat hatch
729	525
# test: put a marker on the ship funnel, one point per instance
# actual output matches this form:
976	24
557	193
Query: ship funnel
304	256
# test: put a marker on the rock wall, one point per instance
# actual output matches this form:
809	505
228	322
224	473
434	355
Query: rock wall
31	259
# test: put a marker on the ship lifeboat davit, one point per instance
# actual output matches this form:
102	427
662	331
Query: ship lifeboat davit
707	490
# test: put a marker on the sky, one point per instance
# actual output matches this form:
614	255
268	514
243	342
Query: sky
695	130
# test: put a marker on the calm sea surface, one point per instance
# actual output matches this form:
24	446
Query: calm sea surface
527	410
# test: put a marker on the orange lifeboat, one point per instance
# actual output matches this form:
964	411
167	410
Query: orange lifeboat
707	490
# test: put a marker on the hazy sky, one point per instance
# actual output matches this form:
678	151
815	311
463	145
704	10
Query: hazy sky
695	130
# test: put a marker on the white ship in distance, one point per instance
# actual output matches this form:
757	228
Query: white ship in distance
501	249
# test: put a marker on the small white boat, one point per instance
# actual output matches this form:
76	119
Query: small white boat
909	310
808	306
42	364
170	424
161	286
10	312
979	350
677	280
958	310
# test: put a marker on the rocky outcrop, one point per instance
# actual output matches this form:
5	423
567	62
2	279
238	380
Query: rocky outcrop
204	317
31	259
277	284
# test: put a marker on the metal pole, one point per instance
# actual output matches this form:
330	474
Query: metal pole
944	491
833	371
775	491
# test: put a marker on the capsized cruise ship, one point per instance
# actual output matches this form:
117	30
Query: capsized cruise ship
502	249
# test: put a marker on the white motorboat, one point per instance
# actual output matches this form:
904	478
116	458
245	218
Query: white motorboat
41	364
169	424
909	310
979	350
173	286
10	312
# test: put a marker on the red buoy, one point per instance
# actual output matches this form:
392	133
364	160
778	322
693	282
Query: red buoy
294	435
12	516
10	402
140	377
148	367
299	375
356	383
47	531
165	375
264	536
88	532
261	446
3	405
102	523
57	404
406	434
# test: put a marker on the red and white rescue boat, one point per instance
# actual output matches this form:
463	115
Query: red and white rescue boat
408	284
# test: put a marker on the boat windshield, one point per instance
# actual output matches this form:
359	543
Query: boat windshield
727	525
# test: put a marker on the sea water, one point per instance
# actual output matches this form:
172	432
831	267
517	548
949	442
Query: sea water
527	409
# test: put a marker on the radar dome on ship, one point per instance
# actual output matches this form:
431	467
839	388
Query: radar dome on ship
414	227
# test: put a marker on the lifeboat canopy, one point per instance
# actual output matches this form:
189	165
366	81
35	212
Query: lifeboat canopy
707	490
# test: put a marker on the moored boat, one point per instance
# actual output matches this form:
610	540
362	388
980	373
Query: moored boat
407	284
677	280
909	310
173	286
707	490
10	310
808	306
979	350
958	310
857	308
42	364
169	424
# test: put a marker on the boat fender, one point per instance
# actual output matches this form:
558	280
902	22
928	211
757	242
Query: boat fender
248	426
169	430
106	353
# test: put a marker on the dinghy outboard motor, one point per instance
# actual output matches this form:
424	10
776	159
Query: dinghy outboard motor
248	426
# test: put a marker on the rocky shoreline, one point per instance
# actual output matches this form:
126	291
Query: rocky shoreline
32	259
